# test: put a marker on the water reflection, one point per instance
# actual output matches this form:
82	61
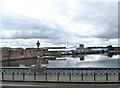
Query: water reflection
82	56
96	60
110	54
82	60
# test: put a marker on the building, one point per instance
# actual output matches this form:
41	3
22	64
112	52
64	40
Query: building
18	53
4	53
15	56
80	48
32	52
11	53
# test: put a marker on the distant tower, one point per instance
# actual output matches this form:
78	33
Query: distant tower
80	48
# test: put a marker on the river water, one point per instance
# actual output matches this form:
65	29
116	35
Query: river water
86	61
81	61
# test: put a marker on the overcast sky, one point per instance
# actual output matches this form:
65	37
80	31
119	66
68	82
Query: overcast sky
58	22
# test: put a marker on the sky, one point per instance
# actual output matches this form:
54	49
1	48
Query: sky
58	23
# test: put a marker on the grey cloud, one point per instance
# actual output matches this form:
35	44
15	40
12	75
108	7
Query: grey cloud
96	12
110	28
30	28
25	28
102	15
62	40
18	42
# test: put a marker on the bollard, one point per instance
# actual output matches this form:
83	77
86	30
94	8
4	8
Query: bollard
106	77
13	75
58	76
34	76
23	76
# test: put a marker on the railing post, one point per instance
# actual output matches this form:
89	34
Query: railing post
106	77
94	76
23	76
58	76
46	76
70	77
118	76
35	76
13	75
82	76
2	75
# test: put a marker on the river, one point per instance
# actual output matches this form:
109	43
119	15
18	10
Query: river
85	61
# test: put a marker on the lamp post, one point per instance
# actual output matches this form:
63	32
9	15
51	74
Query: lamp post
38	44
38	68
38	55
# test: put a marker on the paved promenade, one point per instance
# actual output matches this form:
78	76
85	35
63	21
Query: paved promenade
58	85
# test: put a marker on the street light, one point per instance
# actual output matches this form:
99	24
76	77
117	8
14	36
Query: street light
38	44
38	55
38	67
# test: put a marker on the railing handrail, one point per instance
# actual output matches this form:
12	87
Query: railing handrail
54	68
68	71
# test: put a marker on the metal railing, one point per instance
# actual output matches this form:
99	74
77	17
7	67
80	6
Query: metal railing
62	74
